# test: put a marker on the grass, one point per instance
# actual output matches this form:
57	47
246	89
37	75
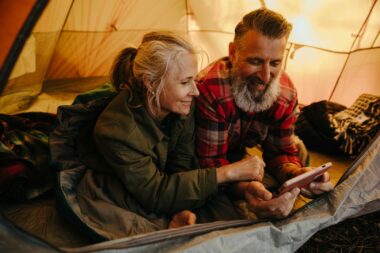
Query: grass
357	235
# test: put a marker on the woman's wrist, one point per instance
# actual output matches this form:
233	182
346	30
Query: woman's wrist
222	175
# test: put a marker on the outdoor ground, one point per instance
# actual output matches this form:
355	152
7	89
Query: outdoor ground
358	235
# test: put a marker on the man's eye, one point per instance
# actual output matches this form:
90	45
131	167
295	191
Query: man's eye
255	62
275	63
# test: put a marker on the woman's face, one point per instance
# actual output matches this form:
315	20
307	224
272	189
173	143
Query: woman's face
180	88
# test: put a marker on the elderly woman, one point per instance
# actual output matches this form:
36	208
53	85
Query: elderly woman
140	172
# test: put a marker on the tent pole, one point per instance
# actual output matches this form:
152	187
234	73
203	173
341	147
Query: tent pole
352	46
19	42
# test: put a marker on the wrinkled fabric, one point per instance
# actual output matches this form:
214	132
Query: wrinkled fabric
108	202
224	130
358	124
25	166
314	127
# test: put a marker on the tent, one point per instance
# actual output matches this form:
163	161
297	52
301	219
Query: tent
53	50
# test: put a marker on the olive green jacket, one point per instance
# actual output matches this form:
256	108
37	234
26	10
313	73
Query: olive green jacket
157	169
119	174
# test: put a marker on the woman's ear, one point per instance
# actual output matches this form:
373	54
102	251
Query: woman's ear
147	82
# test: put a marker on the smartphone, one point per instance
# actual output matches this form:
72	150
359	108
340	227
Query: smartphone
304	179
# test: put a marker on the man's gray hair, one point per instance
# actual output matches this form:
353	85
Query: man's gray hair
264	21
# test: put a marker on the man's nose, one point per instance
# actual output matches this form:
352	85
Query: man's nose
264	73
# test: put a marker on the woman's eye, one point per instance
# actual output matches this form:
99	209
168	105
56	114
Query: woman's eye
189	82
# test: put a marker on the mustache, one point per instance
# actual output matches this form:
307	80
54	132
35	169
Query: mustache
253	80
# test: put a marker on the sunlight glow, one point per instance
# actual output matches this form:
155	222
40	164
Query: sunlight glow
302	31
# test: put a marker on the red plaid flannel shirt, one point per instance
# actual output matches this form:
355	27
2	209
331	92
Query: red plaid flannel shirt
222	128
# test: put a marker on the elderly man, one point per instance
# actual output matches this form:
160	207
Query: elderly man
247	100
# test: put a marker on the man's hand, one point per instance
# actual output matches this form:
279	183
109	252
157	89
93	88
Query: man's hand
320	185
262	203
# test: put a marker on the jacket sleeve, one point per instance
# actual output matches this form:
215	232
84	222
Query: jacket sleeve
133	160
181	150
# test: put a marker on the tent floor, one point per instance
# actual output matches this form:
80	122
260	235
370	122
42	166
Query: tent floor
40	218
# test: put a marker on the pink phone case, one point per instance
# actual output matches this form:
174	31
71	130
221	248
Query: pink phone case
304	179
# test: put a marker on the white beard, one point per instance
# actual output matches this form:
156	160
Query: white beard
258	101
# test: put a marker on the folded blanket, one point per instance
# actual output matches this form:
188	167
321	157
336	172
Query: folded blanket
313	126
357	125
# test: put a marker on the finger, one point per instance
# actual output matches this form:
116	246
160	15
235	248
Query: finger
295	191
325	177
260	166
262	163
279	207
291	194
258	190
305	192
316	188
289	200
321	187
305	169
285	203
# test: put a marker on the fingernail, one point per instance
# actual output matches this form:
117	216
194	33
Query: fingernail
312	185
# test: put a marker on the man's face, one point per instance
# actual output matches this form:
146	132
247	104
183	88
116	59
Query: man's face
257	63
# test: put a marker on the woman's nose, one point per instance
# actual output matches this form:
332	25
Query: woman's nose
194	90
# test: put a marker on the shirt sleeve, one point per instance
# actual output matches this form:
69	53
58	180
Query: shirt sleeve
211	129
279	146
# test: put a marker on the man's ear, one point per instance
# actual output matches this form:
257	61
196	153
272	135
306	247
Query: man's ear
232	51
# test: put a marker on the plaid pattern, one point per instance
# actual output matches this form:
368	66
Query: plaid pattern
224	131
358	124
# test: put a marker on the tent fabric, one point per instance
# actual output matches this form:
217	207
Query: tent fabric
334	46
357	194
333	54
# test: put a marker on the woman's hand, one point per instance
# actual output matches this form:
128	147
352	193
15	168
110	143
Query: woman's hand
247	169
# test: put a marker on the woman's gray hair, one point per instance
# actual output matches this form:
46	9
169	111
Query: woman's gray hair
156	59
